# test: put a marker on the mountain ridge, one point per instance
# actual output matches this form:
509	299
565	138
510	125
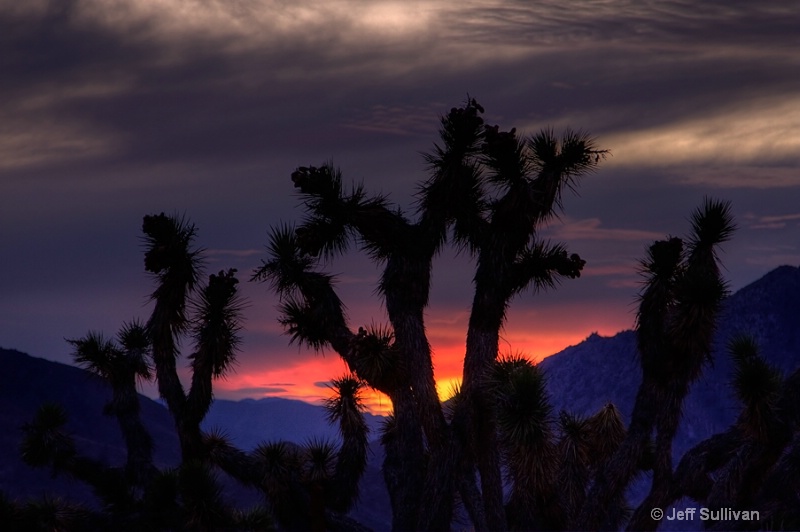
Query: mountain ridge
768	309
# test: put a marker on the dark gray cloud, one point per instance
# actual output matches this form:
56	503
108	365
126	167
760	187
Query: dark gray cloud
111	110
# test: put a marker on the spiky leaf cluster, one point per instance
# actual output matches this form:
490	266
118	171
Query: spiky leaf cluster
48	513
171	258
757	385
217	323
607	431
346	405
201	497
311	311
682	295
115	363
45	441
318	460
524	412
377	359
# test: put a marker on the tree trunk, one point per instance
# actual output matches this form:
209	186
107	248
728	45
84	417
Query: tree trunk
483	338
403	464
139	465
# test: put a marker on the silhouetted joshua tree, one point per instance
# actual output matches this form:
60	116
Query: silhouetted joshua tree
305	488
675	326
573	474
492	190
121	367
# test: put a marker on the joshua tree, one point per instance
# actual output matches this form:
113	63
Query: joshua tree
173	262
492	190
309	487
530	175
675	327
121	367
572	474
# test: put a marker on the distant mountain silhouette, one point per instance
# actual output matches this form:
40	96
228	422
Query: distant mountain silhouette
28	383
585	377
581	379
252	421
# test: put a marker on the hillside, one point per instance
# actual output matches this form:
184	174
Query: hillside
768	309
30	382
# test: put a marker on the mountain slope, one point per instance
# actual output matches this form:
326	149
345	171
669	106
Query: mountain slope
28	383
585	377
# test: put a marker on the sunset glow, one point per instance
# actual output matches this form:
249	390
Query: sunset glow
307	381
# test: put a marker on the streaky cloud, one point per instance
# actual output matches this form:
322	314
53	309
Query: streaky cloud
592	229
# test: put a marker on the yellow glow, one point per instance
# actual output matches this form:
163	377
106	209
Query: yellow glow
447	387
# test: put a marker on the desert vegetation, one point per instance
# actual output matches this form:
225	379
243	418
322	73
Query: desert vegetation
498	447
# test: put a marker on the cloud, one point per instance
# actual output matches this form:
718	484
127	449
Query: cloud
624	283
24	143
762	131
767	176
622	275
779	221
609	269
153	81
567	228
256	23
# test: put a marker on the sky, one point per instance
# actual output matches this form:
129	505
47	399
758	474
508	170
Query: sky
111	110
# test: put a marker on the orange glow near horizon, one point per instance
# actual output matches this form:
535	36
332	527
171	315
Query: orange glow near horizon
555	330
